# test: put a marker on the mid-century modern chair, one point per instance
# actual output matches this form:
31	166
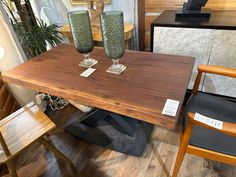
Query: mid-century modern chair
201	139
22	128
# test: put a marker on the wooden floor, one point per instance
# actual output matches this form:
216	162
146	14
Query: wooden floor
94	161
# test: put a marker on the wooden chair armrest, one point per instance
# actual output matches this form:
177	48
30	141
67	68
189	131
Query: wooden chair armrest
219	70
228	128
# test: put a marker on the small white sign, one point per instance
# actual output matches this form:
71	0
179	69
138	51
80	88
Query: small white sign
209	121
171	107
87	72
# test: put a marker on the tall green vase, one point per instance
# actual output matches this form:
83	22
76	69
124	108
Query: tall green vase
81	30
112	27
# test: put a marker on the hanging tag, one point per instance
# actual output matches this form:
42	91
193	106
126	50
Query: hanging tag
209	121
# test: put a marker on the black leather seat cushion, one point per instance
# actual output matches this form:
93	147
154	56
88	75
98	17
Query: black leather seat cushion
216	108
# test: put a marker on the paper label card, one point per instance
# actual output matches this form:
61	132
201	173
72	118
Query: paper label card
209	121
87	72
171	107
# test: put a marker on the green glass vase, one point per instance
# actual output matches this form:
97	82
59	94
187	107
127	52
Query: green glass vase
81	30
112	27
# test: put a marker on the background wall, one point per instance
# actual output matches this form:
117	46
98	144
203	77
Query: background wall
127	6
55	11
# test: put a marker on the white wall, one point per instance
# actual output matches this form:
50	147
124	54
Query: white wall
12	58
127	6
56	10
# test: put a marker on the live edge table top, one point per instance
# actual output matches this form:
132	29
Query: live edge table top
139	92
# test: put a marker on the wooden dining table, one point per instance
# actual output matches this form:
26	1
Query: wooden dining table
139	92
127	105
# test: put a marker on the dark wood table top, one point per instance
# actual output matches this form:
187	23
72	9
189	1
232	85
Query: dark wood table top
139	92
219	19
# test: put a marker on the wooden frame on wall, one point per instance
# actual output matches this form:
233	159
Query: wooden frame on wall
141	24
79	2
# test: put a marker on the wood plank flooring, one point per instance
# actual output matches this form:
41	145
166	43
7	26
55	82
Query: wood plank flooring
94	161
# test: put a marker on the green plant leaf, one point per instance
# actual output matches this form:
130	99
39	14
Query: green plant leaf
35	39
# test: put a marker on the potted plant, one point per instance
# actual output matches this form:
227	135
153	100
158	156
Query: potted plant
34	34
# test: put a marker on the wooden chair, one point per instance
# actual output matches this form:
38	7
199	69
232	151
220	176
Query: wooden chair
203	140
8	104
22	128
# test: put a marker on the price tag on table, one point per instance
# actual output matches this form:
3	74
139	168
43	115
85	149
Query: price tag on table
171	107
87	72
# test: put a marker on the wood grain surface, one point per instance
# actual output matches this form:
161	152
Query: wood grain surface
140	92
23	128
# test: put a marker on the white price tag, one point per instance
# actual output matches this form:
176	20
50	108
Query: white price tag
87	72
171	107
209	121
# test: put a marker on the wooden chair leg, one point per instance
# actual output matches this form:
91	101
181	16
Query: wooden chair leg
11	168
181	133
181	127
3	166
182	150
47	137
50	147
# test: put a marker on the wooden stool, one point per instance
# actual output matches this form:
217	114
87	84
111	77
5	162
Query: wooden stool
97	35
22	128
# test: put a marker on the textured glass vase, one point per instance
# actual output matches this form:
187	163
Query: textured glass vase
112	27
82	35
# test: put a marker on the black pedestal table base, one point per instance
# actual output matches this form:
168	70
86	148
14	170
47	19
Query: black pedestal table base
113	131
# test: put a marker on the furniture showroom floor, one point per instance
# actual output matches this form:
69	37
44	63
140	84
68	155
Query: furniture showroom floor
94	161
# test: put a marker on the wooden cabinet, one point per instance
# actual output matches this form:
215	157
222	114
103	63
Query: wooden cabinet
150	9
223	53
210	42
185	41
